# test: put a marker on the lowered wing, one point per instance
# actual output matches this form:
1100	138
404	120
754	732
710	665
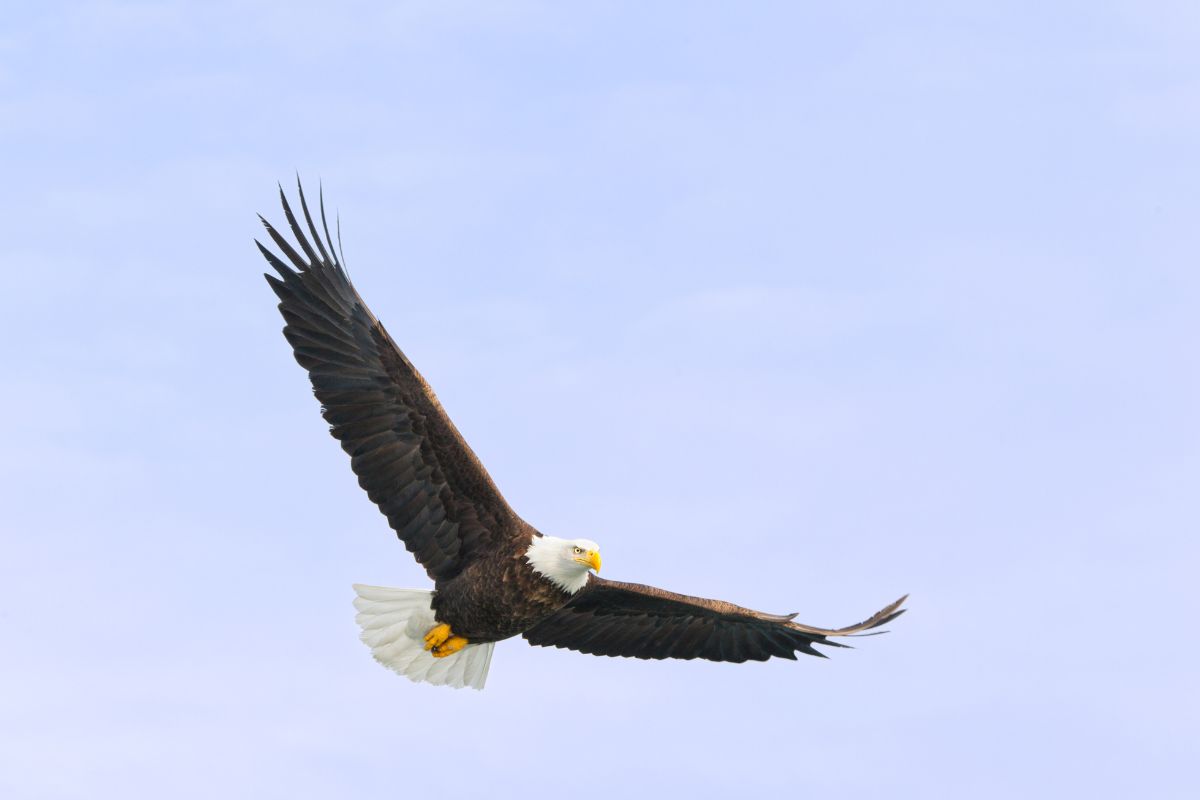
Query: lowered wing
406	452
608	618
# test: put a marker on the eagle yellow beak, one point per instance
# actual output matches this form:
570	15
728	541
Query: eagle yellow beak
592	559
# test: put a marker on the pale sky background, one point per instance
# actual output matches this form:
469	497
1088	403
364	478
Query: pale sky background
799	305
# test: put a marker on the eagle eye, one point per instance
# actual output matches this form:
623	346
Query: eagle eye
578	550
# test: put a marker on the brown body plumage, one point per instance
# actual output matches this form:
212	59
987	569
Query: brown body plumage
436	495
497	597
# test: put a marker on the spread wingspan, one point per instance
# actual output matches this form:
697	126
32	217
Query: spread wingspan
406	452
608	618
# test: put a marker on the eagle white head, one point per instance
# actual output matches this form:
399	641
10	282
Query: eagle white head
566	562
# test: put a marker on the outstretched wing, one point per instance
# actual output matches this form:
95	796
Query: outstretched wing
406	452
607	618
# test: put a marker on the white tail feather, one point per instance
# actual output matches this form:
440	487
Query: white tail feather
394	623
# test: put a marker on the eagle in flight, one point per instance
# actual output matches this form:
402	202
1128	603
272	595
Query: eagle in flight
495	576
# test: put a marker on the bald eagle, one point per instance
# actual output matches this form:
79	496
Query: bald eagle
494	575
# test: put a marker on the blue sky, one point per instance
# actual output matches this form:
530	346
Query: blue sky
796	306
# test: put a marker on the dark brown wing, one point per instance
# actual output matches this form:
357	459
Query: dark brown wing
407	453
608	618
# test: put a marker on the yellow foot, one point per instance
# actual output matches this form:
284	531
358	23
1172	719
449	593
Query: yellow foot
436	636
449	647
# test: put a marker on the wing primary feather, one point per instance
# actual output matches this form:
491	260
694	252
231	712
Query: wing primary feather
808	649
279	287
312	229
283	269
301	239
338	222
325	224
283	245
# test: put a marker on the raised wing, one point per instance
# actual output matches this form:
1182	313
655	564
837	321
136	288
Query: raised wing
406	452
608	618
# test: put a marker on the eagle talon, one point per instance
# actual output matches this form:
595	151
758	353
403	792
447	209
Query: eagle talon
449	647
436	636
